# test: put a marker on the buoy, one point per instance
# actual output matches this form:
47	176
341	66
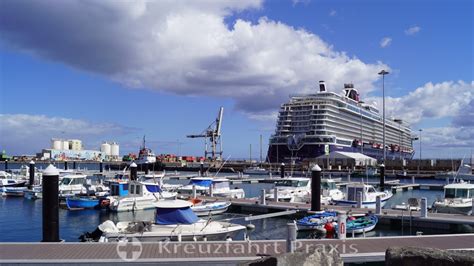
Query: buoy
250	227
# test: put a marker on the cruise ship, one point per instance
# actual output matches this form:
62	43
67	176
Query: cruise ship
310	125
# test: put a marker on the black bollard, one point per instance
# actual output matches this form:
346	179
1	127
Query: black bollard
282	170
50	204
65	165
101	167
74	165
382	177
147	168
133	171
32	175
6	165
316	188
202	168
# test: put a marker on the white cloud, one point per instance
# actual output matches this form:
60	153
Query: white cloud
304	2
440	100
385	42
412	30
25	133
184	48
332	13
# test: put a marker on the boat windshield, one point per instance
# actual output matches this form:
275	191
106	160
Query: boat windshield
292	183
353	191
200	182
221	184
72	181
328	185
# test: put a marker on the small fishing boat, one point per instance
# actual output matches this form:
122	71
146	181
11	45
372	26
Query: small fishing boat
79	203
316	221
290	188
220	187
174	220
35	193
458	199
362	224
369	195
256	170
14	191
7	180
205	208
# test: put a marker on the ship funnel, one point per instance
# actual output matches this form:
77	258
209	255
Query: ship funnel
322	86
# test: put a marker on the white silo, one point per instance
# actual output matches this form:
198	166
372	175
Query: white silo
115	149
105	148
56	144
65	145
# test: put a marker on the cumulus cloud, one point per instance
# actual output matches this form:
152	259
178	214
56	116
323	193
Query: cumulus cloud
412	30
24	133
385	42
183	47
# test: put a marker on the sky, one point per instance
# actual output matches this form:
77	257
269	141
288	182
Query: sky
118	70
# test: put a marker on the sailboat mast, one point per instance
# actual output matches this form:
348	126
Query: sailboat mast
260	149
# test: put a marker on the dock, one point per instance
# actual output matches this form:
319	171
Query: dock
351	250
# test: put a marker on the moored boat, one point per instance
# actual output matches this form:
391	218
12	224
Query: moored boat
360	225
205	208
369	195
316	221
75	203
458	199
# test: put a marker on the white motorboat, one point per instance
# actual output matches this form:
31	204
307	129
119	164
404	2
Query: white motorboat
135	195
145	155
458	199
35	193
174	220
14	191
220	187
464	172
205	208
290	189
329	192
8	180
256	170
75	184
369	195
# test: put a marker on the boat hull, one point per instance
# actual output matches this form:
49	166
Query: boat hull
461	208
81	203
365	204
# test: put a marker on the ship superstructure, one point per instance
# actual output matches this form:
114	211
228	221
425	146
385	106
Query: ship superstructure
313	124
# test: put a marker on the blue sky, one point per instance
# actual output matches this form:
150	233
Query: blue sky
113	70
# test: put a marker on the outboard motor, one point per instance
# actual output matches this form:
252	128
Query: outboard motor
94	236
322	86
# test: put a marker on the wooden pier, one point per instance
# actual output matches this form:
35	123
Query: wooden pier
222	252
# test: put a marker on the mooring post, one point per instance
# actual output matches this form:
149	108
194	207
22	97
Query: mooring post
282	170
65	165
133	171
359	199
316	188
291	237
262	197
202	168
211	190
147	168
349	177
74	165
101	166
424	208
472	208
32	174
50	204
194	192
382	177
378	205
341	225
413	179
275	194
6	165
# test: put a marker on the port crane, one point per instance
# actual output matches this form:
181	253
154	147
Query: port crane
212	138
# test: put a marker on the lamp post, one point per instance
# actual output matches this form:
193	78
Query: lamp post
361	136
419	162
383	73
399	121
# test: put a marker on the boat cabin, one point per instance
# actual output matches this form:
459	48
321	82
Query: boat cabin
216	183
293	182
353	189
459	190
119	188
70	180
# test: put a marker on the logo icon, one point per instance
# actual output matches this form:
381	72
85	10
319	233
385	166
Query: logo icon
130	249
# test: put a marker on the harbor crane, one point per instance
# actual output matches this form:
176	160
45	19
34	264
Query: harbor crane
212	138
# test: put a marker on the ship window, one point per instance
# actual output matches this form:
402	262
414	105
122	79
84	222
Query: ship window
137	189
461	193
303	183
132	188
449	193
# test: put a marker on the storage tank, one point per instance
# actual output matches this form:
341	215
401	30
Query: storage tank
114	149
75	144
65	145
56	144
105	148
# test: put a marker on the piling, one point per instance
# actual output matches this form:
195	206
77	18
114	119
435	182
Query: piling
359	199
291	237
424	208
32	175
50	204
202	168
211	191
472	208
194	192
413	179
341	225
382	177
101	167
6	165
65	165
74	165
133	171
275	194
316	188
282	170
147	168
378	205
262	197
349	177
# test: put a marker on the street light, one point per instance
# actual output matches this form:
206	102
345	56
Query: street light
419	162
361	136
383	73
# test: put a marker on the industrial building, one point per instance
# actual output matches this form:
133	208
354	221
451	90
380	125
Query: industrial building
72	149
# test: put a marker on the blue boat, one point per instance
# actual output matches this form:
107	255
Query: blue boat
316	221
362	224
79	203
